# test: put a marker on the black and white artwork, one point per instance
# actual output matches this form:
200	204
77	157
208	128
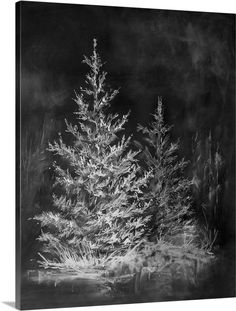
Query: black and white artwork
125	155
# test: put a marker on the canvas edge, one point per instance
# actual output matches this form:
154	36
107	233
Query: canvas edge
17	154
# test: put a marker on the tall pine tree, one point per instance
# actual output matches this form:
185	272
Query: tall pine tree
100	208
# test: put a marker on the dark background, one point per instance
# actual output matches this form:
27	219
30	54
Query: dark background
188	58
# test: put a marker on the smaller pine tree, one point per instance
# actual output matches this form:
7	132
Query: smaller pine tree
168	191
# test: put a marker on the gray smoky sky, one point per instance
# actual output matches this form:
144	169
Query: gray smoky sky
185	57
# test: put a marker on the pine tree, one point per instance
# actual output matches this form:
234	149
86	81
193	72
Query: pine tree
168	190
100	207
